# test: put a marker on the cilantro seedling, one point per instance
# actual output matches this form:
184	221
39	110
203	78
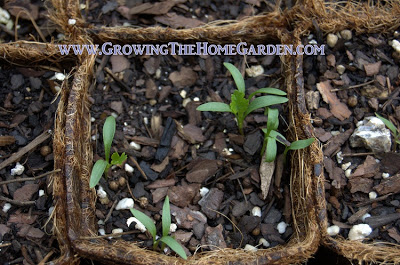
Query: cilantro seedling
241	106
166	223
392	128
101	166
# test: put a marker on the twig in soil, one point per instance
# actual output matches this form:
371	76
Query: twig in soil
18	203
25	254
241	240
130	191
110	235
46	258
138	167
111	210
32	145
29	179
382	198
23	10
359	154
108	71
354	86
241	188
5	245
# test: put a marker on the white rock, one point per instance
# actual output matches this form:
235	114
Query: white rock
6	207
339	157
359	232
17	170
100	222
396	45
345	166
372	134
250	248
264	242
135	146
101	192
102	232
334	133
4	16
340	69
172	228
255	70
10	25
128	168
333	230
59	76
51	209
139	226
204	191
331	40
313	42
347	172
365	216
158	73
372	195
183	93
41	193
71	21
117	231
146	120
196	99
282	227
92	119
346	34
256	211
385	175
125	204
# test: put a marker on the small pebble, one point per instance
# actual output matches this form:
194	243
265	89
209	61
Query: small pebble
121	181
352	101
196	99
124	204
372	195
117	231
172	228
264	242
101	193
339	157
396	45
250	248
346	34
183	93
17	170
331	40
113	185
346	165
59	76
347	172
255	70
139	226
385	175
71	21
6	207
51	209
41	193
45	150
333	230
359	232
185	102
128	168
340	69
365	216
282	227
204	191
256	211
256	231
102	232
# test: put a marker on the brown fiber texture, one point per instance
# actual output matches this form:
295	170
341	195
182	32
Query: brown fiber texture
74	218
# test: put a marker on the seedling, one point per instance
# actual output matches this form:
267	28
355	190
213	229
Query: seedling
166	223
101	165
241	106
271	136
392	128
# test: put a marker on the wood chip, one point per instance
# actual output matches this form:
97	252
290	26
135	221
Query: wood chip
266	173
389	185
338	109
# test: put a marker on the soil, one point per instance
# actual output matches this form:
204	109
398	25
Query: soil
369	85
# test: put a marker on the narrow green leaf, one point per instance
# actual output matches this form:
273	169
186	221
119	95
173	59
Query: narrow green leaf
146	221
268	90
214	106
270	150
388	124
279	137
174	245
166	217
237	76
108	135
265	101
273	119
97	172
300	144
117	159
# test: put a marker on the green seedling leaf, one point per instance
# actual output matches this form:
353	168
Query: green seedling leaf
166	218
174	245
270	150
265	101
388	124
146	221
300	144
237	76
97	172
279	137
238	103
214	106
117	159
268	90
273	119
108	135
